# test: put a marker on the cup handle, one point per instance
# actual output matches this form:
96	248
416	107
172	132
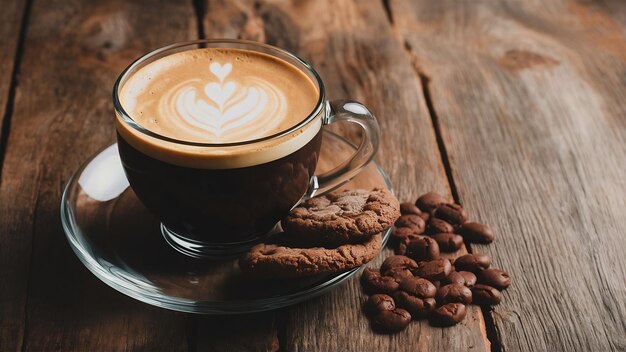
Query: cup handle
354	112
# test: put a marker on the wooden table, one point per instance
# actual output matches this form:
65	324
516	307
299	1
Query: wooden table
517	109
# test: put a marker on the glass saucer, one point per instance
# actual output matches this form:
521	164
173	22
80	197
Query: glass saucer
120	242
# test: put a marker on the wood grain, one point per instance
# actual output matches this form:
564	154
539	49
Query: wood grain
530	99
12	298
237	333
63	113
10	24
352	47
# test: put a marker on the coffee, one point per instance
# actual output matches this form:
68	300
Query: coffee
374	282
485	295
230	191
434	270
454	293
448	314
384	314
474	263
469	280
220	138
218	96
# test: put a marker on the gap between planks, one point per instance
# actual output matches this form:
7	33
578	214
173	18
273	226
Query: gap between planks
6	128
8	109
200	9
490	326
424	80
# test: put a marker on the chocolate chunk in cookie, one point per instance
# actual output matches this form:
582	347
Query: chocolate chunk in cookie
348	216
276	261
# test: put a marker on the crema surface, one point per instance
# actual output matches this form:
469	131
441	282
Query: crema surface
218	95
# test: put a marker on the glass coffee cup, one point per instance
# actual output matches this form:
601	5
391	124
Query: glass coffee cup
221	156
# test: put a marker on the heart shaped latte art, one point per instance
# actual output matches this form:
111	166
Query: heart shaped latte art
221	71
220	93
226	110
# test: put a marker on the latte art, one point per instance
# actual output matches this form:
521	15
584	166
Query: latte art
219	96
225	110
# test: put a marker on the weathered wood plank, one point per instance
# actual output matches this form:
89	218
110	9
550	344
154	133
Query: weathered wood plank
10	25
12	298
63	112
530	97
353	48
351	44
237	333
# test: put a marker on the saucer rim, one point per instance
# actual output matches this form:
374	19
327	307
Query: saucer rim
72	232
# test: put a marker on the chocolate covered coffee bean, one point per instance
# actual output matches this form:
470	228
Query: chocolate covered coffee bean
436	225
430	201
454	278
398	261
495	278
476	233
379	302
384	315
390	321
470	278
449	314
409	208
461	277
418	307
401	246
412	221
399	234
454	293
452	213
399	267
433	270
485	295
373	282
399	273
419	282
474	263
422	248
403	234
418	287
448	242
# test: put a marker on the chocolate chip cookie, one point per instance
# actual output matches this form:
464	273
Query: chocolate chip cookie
278	261
348	216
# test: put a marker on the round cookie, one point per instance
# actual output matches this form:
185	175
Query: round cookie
276	261
349	216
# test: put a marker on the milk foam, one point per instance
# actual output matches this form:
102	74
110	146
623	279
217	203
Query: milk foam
225	110
218	96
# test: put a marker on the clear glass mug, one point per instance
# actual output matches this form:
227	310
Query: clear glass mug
209	212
